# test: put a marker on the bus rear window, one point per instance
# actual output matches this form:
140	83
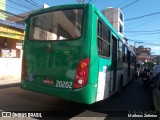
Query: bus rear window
56	25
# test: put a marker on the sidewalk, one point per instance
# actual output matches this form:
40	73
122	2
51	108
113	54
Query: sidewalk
10	71
7	83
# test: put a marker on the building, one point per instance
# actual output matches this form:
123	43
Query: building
2	8
19	20
11	37
12	31
143	54
116	18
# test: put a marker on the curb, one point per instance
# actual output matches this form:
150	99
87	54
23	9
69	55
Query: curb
9	85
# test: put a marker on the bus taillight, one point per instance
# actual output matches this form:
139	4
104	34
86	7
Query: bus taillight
24	68
82	73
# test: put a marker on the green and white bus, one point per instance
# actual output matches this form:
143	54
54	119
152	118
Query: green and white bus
73	52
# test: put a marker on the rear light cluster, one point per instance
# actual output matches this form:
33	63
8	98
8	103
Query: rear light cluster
81	73
24	69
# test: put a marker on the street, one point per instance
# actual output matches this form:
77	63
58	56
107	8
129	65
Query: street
134	97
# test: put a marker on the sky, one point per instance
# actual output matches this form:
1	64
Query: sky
144	31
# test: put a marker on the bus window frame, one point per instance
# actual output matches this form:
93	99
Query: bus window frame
120	54
34	14
97	37
123	53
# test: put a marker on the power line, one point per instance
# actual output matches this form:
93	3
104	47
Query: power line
142	16
135	18
12	7
140	34
90	1
122	3
144	23
143	31
142	41
80	1
27	4
129	4
8	13
152	44
21	5
93	1
145	42
33	3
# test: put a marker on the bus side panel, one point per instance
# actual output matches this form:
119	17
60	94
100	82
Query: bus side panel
94	58
125	66
83	95
102	71
103	79
87	94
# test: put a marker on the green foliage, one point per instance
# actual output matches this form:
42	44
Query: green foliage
149	65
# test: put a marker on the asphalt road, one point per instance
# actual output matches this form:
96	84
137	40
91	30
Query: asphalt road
134	98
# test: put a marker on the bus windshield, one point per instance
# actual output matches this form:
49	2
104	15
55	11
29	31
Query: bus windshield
56	25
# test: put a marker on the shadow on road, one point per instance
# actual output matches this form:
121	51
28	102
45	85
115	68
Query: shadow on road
134	97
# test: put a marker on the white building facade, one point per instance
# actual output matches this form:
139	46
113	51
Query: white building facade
116	18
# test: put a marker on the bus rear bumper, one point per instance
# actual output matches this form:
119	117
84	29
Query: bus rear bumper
56	92
82	95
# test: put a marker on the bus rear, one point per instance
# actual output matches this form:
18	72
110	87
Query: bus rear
56	53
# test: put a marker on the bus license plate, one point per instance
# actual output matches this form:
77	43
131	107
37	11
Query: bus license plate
46	81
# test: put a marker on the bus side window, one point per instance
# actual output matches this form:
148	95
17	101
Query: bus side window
123	52
103	39
120	51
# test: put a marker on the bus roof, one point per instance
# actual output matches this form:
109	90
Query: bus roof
107	22
111	27
50	9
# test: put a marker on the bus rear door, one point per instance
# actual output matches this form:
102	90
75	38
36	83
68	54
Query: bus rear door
113	65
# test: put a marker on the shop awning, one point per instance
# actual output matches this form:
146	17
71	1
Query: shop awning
12	24
12	30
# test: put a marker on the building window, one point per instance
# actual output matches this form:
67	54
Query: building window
103	40
120	29
121	16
